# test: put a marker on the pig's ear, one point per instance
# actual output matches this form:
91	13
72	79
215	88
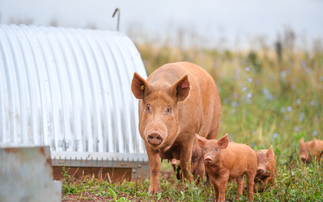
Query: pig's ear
223	142
200	141
181	88
270	153
139	86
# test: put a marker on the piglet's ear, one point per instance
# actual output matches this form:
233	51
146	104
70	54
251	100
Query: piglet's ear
301	141
181	88
223	142
313	144
270	153
139	86
200	141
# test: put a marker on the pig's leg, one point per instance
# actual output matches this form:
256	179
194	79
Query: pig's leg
222	186
250	183
216	191
186	156
240	183
154	162
200	170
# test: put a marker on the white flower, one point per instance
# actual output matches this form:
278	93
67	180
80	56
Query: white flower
282	110
289	108
247	69
275	135
250	79
298	101
283	74
244	88
314	133
286	118
297	128
312	102
249	95
301	117
304	63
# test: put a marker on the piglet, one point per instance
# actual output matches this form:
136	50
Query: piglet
266	169
224	160
309	149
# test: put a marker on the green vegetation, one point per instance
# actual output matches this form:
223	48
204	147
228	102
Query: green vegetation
268	98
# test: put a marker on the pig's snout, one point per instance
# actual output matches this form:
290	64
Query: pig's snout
155	139
208	159
260	170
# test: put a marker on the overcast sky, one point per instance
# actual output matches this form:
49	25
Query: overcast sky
211	18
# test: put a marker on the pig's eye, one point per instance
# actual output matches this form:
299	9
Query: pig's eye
168	110
265	161
204	149
216	149
148	108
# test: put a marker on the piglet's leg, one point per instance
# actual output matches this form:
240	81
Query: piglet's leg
240	183
264	184
222	186
250	183
154	162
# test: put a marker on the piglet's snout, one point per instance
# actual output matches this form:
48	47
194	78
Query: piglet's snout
303	158
260	170
155	139
208	159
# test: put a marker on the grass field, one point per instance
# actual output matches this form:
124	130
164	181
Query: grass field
267	99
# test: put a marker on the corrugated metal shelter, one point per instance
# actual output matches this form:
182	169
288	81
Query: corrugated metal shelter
70	89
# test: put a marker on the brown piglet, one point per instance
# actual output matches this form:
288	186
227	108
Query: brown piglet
310	149
266	169
224	160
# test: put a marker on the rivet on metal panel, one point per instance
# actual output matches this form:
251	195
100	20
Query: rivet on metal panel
139	165
134	170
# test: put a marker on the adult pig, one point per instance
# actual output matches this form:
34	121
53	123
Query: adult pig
226	160
266	168
177	101
310	149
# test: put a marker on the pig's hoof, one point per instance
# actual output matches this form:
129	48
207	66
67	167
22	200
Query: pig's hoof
154	190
